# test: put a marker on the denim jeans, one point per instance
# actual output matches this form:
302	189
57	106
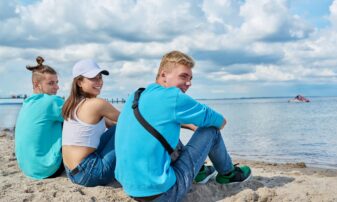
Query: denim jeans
205	141
98	167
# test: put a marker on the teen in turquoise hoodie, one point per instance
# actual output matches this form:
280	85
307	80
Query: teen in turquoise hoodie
38	129
143	166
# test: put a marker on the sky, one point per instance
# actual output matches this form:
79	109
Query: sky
242	48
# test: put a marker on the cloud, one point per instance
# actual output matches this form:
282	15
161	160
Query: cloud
214	12
271	21
8	10
250	43
273	73
135	69
229	57
44	24
333	14
261	73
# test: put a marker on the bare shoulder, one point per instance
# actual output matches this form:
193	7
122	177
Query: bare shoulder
96	102
99	103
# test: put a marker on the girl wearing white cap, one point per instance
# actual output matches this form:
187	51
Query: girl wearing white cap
87	144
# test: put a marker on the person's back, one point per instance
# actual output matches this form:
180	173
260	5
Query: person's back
38	135
39	126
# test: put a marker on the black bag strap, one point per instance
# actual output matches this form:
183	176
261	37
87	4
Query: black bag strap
146	125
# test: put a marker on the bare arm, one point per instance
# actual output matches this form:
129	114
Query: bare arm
223	124
109	123
194	127
189	126
94	109
109	112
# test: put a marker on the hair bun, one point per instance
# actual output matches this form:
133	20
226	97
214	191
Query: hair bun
30	68
39	60
39	65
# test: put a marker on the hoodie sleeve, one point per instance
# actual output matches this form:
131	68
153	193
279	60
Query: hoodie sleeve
189	111
56	104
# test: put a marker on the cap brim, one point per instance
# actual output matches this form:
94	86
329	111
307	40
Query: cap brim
105	72
94	73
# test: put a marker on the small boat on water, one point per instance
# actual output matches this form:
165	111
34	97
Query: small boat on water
299	98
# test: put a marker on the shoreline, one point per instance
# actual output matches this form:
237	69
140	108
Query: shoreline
10	133
297	163
270	182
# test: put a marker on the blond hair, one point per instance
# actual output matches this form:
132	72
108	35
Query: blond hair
174	57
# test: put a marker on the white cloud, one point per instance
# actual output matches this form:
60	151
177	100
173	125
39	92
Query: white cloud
333	14
262	73
272	73
252	42
222	11
135	69
99	21
271	20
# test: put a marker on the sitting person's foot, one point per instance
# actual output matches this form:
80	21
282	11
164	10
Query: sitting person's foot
238	174
205	173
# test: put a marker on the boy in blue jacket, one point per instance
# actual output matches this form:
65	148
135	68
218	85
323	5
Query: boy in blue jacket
144	167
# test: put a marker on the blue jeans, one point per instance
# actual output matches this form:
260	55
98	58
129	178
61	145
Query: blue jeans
98	167
205	141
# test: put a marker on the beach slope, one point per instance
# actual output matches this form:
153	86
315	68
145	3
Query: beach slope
270	182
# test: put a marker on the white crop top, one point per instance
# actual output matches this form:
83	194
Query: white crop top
76	132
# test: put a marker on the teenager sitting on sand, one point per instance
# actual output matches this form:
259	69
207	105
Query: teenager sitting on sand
88	148
144	167
39	126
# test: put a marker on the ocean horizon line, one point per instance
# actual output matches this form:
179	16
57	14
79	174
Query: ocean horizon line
262	97
18	101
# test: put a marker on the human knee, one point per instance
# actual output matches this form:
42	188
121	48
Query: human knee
208	129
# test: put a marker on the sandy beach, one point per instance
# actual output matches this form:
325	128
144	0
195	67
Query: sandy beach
270	182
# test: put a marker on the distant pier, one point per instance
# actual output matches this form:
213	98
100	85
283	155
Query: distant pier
116	100
22	97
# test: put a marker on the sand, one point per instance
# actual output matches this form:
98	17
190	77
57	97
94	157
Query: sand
270	182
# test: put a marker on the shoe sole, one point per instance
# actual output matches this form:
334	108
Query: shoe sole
207	178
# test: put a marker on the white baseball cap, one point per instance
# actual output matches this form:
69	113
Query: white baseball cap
88	68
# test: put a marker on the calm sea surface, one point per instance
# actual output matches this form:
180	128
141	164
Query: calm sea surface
9	109
264	129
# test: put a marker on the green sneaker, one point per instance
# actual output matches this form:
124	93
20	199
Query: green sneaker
205	173
239	174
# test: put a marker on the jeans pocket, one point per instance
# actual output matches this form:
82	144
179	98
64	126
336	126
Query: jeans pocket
100	174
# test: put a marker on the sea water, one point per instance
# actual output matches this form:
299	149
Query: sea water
275	130
270	129
9	109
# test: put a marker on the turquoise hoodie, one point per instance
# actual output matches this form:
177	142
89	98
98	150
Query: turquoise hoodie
38	135
142	164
